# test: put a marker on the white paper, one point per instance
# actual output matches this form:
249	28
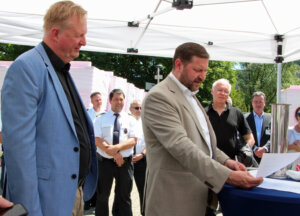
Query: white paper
281	185
272	162
278	184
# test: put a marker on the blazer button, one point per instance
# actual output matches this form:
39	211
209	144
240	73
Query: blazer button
74	176
76	149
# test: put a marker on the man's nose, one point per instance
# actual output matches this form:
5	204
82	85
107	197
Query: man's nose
83	41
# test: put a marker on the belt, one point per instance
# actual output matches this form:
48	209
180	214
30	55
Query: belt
112	159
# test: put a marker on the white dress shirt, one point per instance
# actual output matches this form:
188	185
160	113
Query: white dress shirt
104	126
140	146
93	114
190	96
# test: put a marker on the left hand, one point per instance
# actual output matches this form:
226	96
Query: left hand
235	165
259	152
137	157
111	150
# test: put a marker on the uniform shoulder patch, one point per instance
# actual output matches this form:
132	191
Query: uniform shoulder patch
100	114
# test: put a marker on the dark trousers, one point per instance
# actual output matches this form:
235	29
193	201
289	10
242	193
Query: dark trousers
210	212
139	177
108	170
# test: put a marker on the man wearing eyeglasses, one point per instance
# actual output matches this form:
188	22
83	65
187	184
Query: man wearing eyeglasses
226	119
139	155
227	122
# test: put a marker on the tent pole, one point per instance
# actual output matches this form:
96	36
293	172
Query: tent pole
279	59
278	95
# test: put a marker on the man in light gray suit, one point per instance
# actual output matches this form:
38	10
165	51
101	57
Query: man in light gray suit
48	137
185	168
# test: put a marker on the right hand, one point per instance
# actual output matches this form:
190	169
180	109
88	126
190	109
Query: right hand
297	142
259	152
243	179
119	159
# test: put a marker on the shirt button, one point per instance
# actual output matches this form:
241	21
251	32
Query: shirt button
76	149
74	176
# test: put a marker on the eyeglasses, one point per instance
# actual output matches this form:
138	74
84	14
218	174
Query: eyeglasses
138	108
298	114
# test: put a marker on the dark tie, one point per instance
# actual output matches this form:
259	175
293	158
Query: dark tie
116	132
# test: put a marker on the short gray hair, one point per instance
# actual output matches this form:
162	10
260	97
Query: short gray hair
259	93
135	101
223	81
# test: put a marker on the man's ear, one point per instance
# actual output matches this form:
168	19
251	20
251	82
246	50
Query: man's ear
54	32
178	64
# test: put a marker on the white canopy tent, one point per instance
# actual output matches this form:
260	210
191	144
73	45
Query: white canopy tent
231	30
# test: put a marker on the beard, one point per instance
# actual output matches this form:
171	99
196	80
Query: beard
190	84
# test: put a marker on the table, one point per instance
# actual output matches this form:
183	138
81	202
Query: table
258	202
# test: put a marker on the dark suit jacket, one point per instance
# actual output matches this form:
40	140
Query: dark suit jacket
265	138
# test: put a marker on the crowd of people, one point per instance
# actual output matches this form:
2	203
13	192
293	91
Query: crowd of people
58	154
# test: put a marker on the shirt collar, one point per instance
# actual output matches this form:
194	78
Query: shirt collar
182	87
255	115
56	62
227	107
110	112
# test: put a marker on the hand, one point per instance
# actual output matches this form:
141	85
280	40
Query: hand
297	142
235	165
4	203
259	152
294	147
111	150
243	179
137	157
119	159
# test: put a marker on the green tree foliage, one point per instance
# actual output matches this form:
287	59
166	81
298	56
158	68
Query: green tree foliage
263	77
9	52
140	69
136	69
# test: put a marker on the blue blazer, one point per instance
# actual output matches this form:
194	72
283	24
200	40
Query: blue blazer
39	138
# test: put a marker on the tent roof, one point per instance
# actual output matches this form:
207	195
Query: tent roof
231	30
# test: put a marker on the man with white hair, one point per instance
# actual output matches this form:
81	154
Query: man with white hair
227	120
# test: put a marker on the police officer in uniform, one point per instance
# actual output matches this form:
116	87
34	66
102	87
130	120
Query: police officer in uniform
96	100
115	139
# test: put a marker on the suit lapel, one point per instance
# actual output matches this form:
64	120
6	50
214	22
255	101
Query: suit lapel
58	88
253	127
264	126
186	104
